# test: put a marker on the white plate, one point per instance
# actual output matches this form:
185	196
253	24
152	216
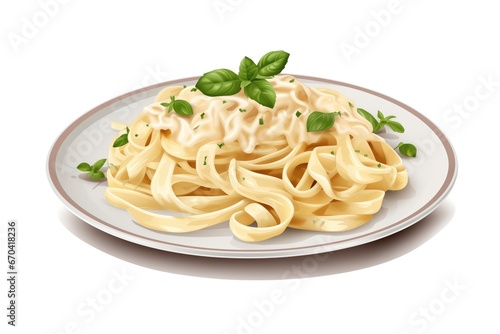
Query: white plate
431	175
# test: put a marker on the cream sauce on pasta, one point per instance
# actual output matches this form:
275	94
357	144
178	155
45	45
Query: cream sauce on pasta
237	118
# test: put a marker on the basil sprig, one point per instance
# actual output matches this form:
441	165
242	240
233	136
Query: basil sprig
321	121
378	125
181	107
94	170
251	77
406	149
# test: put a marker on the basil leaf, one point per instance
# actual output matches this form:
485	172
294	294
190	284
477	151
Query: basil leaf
380	115
262	92
370	118
248	69
84	167
396	126
407	149
120	141
182	107
263	76
97	175
168	105
97	165
219	82
320	121
273	63
245	83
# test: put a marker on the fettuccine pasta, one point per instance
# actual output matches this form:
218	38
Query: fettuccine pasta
256	167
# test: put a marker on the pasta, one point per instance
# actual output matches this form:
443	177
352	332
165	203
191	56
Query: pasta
258	168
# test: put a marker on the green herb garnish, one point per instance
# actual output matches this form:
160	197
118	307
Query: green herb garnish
407	149
194	89
298	113
220	145
205	160
181	107
94	170
242	110
262	92
292	81
261	121
320	121
122	140
251	77
375	124
378	125
202	115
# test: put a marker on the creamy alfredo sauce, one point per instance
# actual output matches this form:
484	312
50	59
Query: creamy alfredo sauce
226	119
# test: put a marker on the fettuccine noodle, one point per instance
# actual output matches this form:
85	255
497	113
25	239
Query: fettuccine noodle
258	168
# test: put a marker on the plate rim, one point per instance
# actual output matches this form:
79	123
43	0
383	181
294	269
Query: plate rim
370	236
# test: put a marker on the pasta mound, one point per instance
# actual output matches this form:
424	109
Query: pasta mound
258	168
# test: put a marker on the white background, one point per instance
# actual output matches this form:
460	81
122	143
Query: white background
436	277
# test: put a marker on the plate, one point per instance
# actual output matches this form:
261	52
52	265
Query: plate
431	176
